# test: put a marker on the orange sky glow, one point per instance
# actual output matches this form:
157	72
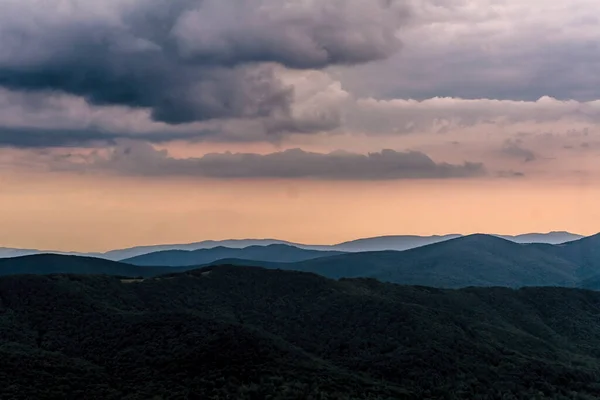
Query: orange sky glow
66	212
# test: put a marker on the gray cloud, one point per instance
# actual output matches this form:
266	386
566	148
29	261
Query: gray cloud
140	159
295	34
41	138
546	71
510	174
514	148
188	60
462	49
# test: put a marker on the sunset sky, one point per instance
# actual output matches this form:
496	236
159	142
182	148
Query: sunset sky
130	122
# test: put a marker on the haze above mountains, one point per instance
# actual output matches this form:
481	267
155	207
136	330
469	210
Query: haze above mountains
380	243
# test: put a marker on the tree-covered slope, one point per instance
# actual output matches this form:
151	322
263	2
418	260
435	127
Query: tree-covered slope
61	264
234	332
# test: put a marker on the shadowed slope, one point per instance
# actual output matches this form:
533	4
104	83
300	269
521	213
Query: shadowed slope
249	333
58	264
480	260
583	252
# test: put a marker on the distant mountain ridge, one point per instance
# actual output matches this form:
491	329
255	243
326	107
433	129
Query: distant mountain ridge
556	237
475	260
380	243
271	252
6	252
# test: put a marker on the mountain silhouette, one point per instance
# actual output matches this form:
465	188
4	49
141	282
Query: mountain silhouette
272	252
44	264
381	243
475	260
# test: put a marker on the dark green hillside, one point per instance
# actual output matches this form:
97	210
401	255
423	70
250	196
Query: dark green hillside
59	264
270	253
351	265
248	333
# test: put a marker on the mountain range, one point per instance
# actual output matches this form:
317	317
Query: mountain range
271	252
398	243
475	260
244	333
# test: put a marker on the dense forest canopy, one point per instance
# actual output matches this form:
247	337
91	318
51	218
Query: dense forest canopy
232	332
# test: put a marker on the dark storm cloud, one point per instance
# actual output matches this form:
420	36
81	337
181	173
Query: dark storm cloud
45	138
35	137
188	60
141	159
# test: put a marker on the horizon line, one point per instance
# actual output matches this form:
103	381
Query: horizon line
290	242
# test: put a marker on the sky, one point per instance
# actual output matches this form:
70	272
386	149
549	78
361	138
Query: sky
135	122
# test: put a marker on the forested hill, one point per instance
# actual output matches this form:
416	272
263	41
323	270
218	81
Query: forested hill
45	264
249	333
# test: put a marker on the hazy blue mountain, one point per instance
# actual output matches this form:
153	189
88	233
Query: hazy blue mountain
397	242
123	254
6	252
583	252
406	242
549	238
272	252
475	260
480	260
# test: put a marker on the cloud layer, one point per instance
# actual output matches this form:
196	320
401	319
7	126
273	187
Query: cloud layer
187	60
500	79
138	159
497	49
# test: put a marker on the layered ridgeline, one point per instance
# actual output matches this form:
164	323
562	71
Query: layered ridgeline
476	260
272	253
235	332
380	243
